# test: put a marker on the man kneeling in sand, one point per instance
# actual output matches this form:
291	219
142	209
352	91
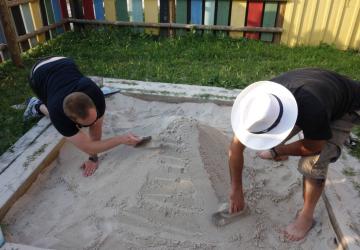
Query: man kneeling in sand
322	104
72	101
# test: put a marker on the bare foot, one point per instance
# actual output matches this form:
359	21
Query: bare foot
299	228
266	155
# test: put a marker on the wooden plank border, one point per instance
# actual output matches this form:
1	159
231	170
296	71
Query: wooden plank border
25	169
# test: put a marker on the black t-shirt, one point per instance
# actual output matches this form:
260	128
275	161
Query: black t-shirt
56	80
322	96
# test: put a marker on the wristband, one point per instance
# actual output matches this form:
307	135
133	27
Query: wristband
273	153
94	158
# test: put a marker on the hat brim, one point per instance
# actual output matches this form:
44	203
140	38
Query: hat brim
277	134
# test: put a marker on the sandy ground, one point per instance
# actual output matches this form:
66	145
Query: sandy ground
162	195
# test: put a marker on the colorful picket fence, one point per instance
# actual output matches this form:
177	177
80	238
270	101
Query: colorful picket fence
303	21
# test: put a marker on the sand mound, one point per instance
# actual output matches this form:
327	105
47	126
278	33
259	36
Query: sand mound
160	196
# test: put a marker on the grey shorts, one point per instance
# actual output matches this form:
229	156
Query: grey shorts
316	166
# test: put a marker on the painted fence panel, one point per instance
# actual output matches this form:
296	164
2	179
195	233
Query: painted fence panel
238	14
36	18
99	10
28	22
196	12
49	16
121	10
88	8
254	18
223	10
209	15
57	14
151	13
19	25
164	16
136	13
269	19
110	10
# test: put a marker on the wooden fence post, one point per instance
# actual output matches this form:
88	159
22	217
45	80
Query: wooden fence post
10	34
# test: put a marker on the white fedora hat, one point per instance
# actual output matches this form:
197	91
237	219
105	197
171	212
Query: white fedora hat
263	115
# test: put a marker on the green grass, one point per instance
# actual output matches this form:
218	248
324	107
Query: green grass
195	59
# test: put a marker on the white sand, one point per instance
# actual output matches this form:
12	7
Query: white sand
161	196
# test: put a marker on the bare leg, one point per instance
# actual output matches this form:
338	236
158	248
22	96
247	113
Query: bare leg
298	229
44	110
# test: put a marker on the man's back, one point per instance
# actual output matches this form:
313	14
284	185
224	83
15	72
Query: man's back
322	96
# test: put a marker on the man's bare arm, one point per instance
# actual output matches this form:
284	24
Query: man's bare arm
236	163
86	144
304	147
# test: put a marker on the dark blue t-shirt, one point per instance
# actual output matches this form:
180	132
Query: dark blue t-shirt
54	81
322	97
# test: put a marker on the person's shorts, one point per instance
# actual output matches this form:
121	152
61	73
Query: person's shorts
316	166
33	84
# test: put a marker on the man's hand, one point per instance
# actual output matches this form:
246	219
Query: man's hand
89	167
237	202
130	139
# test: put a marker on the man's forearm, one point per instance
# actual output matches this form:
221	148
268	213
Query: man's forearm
96	147
236	163
95	132
296	148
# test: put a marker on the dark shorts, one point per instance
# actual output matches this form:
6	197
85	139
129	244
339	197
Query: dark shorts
316	166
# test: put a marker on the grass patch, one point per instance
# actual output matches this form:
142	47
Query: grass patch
193	59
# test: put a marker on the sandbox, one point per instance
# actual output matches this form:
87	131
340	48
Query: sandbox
161	195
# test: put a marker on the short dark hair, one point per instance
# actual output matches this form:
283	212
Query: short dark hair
77	105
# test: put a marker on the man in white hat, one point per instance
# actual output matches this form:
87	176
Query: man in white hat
322	104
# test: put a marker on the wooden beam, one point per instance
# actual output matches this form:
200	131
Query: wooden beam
178	26
41	31
10	34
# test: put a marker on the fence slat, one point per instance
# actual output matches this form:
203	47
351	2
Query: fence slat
223	10
49	16
36	18
270	13
99	10
355	40
209	15
279	21
28	22
57	14
348	23
254	18
19	25
307	26
136	14
164	16
88	9
196	12
181	11
238	14
121	10
110	10
181	14
151	13
44	17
